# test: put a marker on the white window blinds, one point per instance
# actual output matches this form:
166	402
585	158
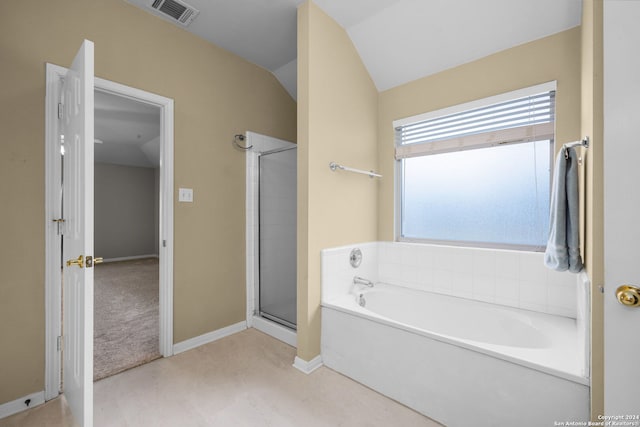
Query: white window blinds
525	119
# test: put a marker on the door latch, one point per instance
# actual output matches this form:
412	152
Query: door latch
92	261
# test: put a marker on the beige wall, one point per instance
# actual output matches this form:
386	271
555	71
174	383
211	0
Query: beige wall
337	121
592	125
556	57
216	95
125	209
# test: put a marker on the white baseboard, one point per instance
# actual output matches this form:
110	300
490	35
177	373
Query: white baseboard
19	405
279	332
307	367
208	337
130	258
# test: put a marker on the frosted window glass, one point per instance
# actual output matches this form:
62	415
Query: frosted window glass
497	195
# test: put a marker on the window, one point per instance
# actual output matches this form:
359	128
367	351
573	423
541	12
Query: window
478	174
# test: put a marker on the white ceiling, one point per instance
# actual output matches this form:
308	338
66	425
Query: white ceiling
398	40
415	38
126	131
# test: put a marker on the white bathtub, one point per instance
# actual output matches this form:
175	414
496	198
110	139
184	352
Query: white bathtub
475	323
458	361
540	341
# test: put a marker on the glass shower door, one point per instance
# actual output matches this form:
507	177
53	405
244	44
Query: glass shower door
277	201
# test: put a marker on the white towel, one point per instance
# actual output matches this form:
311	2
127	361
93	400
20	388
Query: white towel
563	247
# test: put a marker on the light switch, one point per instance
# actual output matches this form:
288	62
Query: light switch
185	195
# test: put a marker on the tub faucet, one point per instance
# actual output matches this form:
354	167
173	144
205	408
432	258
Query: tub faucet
362	281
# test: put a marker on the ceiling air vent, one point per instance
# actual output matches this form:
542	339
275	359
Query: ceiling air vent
176	10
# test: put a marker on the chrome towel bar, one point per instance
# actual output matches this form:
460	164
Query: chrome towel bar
335	166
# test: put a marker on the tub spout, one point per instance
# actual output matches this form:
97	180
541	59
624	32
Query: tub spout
357	280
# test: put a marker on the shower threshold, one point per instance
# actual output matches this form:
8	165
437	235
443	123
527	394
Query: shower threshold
278	320
274	328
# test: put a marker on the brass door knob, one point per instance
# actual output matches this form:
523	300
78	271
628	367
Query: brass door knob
79	262
628	295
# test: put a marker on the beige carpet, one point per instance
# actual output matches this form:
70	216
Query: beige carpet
126	327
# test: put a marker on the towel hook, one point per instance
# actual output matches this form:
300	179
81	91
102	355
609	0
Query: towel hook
241	138
584	142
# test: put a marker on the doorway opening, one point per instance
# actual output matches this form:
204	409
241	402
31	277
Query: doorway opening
271	236
161	218
126	233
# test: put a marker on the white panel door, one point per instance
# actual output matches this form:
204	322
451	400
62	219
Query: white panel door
77	129
622	205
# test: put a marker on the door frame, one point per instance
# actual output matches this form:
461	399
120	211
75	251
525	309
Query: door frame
53	171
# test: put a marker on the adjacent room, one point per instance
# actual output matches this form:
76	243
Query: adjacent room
318	212
126	234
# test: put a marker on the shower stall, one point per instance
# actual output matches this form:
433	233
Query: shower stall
277	236
271	236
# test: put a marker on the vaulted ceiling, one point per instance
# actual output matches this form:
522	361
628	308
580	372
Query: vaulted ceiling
398	40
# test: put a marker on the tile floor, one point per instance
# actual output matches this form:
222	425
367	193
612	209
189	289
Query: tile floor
242	380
